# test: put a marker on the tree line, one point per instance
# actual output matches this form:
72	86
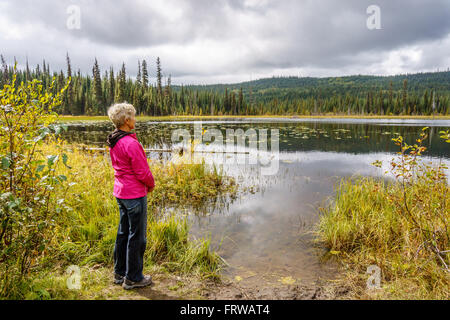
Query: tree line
92	94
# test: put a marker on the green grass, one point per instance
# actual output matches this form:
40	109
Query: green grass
367	226
84	235
171	248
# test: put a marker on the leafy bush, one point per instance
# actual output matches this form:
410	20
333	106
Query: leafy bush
28	180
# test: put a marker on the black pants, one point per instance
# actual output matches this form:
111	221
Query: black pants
131	238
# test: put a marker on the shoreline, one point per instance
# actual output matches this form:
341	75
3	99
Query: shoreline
64	118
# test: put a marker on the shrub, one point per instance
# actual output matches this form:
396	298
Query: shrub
28	181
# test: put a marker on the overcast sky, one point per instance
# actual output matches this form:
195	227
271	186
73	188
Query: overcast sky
226	41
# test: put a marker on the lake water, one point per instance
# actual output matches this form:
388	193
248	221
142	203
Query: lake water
265	234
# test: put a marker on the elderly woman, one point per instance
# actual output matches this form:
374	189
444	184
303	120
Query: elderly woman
133	180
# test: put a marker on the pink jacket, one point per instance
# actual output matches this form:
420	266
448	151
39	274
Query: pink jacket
133	178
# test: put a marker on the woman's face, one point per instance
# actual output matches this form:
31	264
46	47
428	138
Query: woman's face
130	123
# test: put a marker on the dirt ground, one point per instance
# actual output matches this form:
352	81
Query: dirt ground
166	287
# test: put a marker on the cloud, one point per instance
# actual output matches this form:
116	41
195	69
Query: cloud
231	40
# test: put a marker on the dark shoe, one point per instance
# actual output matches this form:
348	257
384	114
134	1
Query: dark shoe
118	279
127	284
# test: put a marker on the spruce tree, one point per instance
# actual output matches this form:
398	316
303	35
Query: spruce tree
159	77
426	100
381	103
404	95
391	97
121	84
5	77
139	77
144	74
226	102
68	97
241	101
98	93
111	86
233	103
168	95
28	73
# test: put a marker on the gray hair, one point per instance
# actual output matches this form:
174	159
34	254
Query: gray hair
120	112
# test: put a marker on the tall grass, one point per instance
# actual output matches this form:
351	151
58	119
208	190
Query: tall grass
170	247
402	226
84	233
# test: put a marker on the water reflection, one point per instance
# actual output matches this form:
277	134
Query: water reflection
269	232
304	136
266	234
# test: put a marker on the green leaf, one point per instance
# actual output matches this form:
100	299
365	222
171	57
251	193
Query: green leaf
51	160
44	294
57	129
5	163
65	158
43	133
38	138
6	195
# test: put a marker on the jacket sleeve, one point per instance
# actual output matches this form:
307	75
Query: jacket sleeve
139	164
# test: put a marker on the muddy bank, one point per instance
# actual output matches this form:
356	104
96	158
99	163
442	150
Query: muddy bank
167	287
321	290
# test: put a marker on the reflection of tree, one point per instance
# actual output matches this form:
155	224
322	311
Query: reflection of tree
365	138
430	137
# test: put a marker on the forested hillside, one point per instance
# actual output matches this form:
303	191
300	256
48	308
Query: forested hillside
368	94
153	94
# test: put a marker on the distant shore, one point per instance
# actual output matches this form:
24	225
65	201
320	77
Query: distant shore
64	118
